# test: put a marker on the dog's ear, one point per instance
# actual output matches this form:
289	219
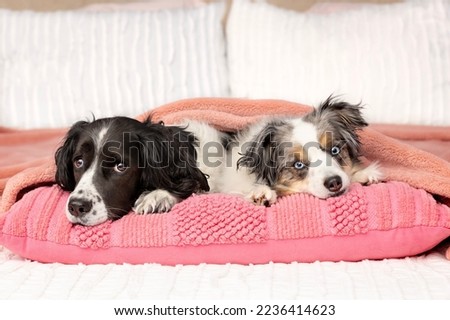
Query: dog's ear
170	161
185	173
343	118
342	113
189	180
63	158
262	155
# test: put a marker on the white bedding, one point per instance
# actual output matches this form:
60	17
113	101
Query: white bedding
423	277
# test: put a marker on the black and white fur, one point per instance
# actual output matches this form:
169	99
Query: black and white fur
316	154
111	165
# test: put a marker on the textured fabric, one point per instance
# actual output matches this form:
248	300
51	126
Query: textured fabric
380	221
70	65
24	149
143	5
394	58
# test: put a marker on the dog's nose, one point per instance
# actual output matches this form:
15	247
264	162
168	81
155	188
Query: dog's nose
79	207
333	183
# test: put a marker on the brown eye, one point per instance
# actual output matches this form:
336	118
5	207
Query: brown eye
120	167
78	163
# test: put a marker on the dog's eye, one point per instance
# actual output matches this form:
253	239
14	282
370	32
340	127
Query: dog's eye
120	167
335	151
299	165
78	163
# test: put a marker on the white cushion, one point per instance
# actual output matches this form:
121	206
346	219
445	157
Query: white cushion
60	67
394	58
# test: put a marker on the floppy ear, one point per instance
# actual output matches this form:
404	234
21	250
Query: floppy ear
170	161
185	174
343	118
63	158
189	180
262	156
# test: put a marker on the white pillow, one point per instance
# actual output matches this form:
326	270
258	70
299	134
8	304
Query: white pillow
60	67
394	58
143	5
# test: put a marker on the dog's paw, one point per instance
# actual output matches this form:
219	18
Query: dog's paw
369	175
156	201
262	195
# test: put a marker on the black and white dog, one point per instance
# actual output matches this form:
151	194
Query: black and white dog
113	164
316	154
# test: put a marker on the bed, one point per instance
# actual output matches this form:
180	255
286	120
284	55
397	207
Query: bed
72	65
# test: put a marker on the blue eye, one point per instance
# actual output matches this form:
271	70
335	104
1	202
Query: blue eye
335	151
299	165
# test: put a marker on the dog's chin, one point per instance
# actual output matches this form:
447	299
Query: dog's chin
337	194
330	194
88	220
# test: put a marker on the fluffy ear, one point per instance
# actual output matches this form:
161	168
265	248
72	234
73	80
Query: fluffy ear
262	155
342	113
170	161
342	118
63	158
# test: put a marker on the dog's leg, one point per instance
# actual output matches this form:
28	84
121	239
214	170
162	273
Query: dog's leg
368	175
262	195
155	201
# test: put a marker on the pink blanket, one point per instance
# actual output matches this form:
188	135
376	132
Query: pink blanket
23	149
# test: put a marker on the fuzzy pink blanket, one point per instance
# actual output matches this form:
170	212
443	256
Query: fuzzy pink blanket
400	161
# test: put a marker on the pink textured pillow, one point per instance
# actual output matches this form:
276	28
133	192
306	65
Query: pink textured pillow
380	221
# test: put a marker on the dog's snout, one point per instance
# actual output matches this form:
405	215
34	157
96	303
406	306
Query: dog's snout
79	207
333	183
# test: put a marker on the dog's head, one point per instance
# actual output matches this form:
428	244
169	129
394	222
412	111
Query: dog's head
107	163
314	154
